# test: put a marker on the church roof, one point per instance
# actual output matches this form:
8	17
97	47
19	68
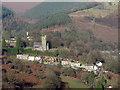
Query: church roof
37	43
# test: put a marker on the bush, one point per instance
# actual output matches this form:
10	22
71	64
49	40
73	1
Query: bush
17	64
4	78
103	80
36	62
12	51
52	80
112	65
68	72
28	71
91	79
25	69
52	54
59	65
7	62
39	69
64	53
99	84
11	77
12	67
40	76
30	51
51	83
5	85
4	70
84	77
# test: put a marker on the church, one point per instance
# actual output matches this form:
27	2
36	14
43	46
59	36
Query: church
41	46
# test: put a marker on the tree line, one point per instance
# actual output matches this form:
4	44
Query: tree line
56	19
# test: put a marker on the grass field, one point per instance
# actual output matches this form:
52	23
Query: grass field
95	12
92	12
74	83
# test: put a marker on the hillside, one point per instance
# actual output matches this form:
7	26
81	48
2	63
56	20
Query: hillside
56	19
102	10
45	9
23	74
110	20
14	23
98	22
6	12
20	7
11	21
53	14
78	35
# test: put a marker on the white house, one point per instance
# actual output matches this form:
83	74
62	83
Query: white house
38	58
7	41
99	64
105	71
103	52
22	56
65	62
89	67
109	86
31	58
95	68
74	64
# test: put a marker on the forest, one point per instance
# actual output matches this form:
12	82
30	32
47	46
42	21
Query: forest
48	8
56	19
6	12
11	22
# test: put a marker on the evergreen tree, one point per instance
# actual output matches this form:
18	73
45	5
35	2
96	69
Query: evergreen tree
18	44
103	80
91	79
3	44
99	84
56	53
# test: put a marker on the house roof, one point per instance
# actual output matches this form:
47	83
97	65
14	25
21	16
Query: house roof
88	65
12	37
31	55
64	60
21	36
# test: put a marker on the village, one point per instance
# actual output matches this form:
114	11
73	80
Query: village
44	46
64	62
50	60
63	45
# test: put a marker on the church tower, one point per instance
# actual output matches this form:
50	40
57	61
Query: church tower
44	43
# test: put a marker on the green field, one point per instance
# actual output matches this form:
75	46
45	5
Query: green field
74	83
14	51
96	12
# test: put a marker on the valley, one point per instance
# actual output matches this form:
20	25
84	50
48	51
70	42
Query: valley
60	45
